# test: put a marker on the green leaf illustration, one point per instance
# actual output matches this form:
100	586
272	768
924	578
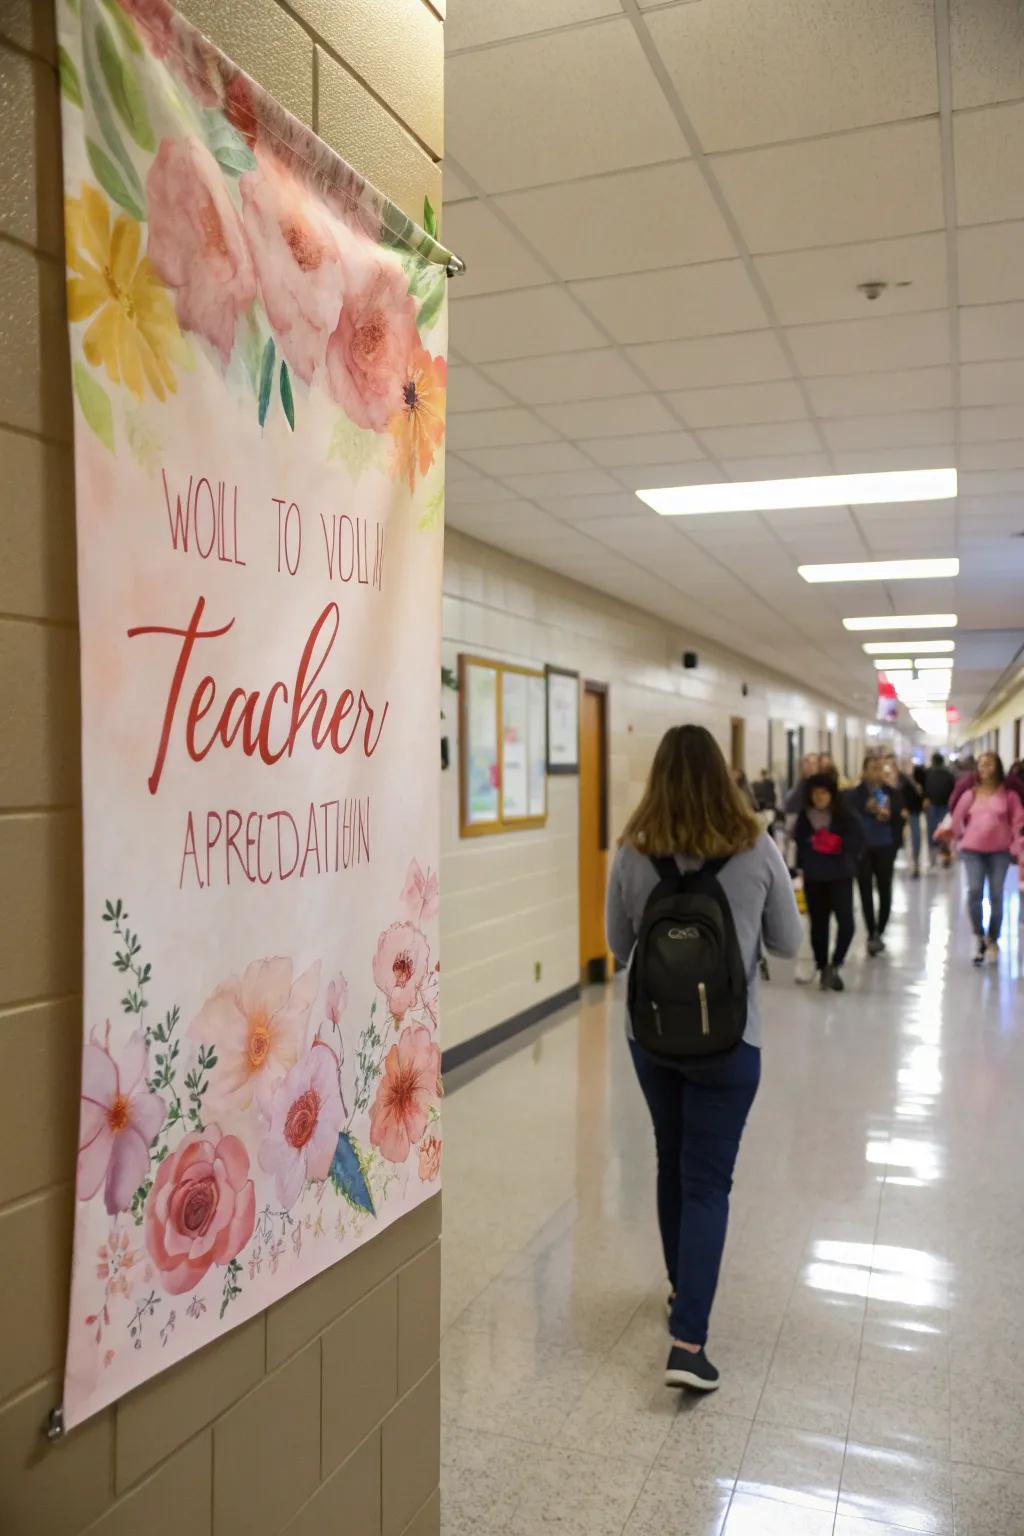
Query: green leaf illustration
111	180
98	103
431	306
357	448
124	27
227	147
429	219
70	84
266	378
95	403
433	514
286	394
348	1177
124	88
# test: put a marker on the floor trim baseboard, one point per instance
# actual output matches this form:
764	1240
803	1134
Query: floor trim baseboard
476	1045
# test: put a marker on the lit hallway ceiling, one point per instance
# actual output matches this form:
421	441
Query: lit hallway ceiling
666	210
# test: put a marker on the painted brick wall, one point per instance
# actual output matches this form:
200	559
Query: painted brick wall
322	1413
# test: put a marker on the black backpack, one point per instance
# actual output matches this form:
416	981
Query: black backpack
687	983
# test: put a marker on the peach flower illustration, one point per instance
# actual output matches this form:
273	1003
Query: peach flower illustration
201	1209
337	999
406	1093
306	1119
430	1159
421	896
257	1026
120	1120
418	428
369	353
399	967
196	243
187	54
116	1258
297	262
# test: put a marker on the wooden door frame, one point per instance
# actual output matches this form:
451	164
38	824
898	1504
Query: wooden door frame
602	690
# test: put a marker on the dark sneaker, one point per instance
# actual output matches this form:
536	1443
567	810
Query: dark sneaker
875	946
979	953
686	1369
825	978
835	979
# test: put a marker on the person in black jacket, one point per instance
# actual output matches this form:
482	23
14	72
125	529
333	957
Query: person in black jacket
877	806
912	796
830	844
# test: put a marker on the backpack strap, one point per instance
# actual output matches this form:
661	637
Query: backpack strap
714	866
666	867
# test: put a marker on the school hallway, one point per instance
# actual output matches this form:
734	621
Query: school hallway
869	1325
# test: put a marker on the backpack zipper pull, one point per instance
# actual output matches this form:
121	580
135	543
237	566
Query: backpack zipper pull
705	1022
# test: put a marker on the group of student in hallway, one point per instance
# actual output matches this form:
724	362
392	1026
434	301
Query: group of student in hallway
843	834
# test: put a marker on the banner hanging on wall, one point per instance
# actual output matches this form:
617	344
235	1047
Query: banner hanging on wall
258	354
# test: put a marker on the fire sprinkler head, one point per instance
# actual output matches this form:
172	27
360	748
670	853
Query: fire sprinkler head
871	291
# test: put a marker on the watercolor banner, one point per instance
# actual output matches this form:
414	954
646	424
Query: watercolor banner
258	355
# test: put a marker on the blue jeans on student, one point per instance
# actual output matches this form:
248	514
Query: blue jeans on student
698	1121
914	821
980	867
934	815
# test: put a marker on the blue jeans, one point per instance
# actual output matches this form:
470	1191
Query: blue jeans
698	1121
914	820
980	867
934	814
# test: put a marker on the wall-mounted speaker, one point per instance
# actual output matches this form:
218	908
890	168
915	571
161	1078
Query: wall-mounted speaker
689	660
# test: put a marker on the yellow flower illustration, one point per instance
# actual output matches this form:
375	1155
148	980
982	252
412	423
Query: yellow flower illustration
134	334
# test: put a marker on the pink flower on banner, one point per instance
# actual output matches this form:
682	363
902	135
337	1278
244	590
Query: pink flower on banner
201	1209
421	897
399	967
337	1000
188	54
116	1258
306	1119
155	20
257	1026
120	1120
430	994
297	262
196	242
369	353
406	1094
430	1159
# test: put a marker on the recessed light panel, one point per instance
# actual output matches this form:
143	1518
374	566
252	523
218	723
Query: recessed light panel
903	621
881	570
807	491
912	648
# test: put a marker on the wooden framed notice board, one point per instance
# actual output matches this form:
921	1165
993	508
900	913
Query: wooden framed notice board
502	747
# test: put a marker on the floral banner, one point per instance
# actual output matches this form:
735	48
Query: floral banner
258	354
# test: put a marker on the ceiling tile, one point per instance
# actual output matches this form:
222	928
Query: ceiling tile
987	51
750	74
906	430
556	107
992	383
866	461
991	331
580	508
679	472
822	285
737	404
992	455
619	452
472	22
991	424
530	323
866	394
455	189
468	390
581	482
466	493
857	187
991	263
701	300
495	429
992	482
742	359
668	218
611	418
989	151
854	346
538	458
776	439
494	258
579	376
777	467
457	471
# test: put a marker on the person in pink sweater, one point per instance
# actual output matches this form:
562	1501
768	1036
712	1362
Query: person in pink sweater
988	829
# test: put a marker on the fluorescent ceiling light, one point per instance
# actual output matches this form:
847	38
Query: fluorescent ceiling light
933	663
904	621
912	647
893	664
807	491
881	570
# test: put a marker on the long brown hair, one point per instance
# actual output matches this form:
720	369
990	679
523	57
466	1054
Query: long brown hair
690	804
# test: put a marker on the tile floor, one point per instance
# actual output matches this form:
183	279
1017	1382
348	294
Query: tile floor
870	1321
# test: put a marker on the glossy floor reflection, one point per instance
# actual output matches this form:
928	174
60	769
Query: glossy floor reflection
870	1322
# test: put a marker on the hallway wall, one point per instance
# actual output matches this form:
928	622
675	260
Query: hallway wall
321	1414
512	900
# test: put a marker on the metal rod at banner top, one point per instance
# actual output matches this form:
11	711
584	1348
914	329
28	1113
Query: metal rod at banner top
456	266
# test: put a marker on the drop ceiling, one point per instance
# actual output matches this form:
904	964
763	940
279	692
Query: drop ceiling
665	211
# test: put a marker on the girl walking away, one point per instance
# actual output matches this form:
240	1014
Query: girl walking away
988	828
875	803
830	844
696	887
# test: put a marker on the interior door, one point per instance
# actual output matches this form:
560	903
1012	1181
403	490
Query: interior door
593	849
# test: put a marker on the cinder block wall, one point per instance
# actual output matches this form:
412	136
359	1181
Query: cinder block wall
321	1415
